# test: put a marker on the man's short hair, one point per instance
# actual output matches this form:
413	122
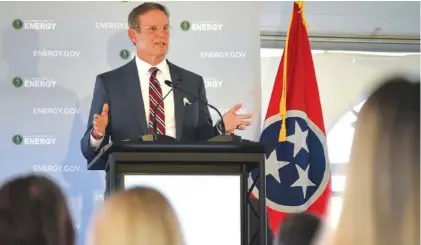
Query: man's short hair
142	9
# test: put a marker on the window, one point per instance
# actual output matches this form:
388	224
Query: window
339	142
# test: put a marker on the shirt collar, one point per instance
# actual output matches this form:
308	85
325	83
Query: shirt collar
143	67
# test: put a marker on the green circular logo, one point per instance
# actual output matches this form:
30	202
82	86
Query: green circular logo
17	82
17	24
17	139
185	25
124	54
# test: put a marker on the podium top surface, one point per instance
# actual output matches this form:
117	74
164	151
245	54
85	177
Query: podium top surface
246	147
193	147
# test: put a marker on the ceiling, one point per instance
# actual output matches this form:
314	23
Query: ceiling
351	25
347	18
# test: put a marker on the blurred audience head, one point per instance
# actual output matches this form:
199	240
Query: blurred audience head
298	229
141	216
381	205
33	210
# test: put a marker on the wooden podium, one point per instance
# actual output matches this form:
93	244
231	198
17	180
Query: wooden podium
190	158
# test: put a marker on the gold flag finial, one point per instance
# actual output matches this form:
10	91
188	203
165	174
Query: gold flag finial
301	11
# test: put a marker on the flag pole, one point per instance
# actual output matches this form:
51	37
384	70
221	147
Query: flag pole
282	106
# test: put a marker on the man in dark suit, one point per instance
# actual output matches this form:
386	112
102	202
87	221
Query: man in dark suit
124	98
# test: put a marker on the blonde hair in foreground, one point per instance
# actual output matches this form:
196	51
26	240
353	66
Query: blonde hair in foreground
382	195
139	216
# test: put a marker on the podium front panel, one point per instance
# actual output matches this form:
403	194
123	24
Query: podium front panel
208	206
129	165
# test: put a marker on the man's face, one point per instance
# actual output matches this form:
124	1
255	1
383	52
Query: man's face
152	34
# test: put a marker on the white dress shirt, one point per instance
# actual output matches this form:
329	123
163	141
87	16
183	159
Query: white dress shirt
144	75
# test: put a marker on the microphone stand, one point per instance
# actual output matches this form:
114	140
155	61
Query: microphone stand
224	137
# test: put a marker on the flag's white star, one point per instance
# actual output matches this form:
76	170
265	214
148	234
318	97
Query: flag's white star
299	139
273	165
303	180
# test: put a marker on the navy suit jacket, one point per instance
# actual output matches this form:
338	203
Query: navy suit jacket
120	88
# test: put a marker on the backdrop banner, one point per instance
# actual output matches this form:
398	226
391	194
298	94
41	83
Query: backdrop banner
51	53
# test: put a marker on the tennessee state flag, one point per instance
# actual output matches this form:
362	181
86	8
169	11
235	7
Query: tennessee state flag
297	169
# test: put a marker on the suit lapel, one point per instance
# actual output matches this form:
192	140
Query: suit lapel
178	99
131	83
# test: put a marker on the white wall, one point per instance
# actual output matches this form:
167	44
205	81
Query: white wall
344	78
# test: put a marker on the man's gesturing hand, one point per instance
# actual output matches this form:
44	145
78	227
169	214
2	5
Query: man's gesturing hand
100	122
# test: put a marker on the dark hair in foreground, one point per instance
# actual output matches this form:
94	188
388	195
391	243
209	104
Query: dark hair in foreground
33	211
298	229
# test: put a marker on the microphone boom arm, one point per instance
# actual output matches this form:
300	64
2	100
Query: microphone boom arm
174	85
220	115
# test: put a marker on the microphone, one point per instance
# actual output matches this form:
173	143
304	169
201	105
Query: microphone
155	129
174	85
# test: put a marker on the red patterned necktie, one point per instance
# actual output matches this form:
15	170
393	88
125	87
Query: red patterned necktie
155	97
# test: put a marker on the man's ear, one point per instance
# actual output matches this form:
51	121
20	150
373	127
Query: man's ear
132	35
